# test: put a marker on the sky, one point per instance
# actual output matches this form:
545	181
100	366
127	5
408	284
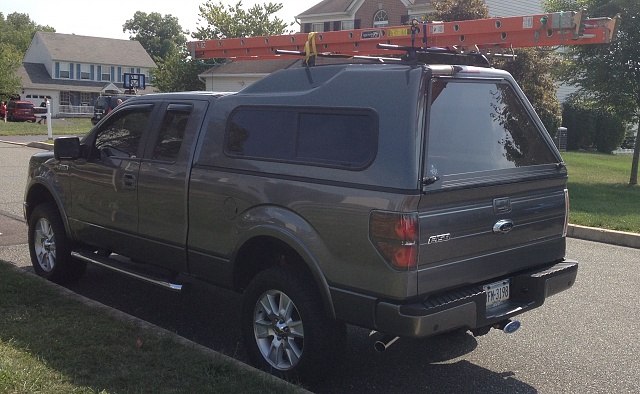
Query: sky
105	18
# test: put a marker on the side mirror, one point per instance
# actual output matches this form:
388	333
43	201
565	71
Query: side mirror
67	148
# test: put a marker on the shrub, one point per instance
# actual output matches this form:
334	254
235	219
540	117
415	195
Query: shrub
591	127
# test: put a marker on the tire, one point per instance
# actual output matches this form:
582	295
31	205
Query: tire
49	247
285	328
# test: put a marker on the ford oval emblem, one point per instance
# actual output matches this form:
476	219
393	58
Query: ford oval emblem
503	226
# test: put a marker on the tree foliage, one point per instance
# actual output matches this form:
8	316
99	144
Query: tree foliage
459	10
178	72
161	36
16	32
608	74
532	69
235	22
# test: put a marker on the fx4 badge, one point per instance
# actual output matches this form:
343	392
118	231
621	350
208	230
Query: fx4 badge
434	239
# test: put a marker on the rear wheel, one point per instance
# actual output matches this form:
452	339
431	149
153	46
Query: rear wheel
285	328
49	247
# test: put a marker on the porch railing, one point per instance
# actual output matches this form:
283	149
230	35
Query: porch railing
77	110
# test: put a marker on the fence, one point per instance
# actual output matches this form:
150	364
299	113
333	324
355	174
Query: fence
76	110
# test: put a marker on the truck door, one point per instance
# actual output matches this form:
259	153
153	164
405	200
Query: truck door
163	182
104	198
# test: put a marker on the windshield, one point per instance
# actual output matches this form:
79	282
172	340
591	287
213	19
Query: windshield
481	126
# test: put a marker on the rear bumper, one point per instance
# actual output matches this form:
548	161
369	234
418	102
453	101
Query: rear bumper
466	308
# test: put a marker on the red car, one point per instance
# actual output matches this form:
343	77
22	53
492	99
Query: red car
20	111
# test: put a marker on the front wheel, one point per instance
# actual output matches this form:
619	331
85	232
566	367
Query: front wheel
285	328
49	247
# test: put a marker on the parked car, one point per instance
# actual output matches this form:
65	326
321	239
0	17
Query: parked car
429	201
20	111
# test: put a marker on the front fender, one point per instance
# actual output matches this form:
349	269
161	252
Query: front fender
44	185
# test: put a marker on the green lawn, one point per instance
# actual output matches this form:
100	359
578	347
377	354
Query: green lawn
599	192
58	127
51	343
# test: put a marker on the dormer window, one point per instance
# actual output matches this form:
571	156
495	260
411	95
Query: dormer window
106	73
64	71
380	19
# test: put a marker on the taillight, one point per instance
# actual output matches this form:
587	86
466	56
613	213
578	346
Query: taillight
566	213
395	236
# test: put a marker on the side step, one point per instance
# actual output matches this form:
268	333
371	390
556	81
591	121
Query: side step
110	264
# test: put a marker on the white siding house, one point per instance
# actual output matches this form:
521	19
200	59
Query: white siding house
74	70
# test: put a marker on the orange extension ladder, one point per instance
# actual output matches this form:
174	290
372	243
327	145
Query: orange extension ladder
487	36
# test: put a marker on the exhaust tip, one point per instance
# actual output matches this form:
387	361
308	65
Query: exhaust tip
511	327
384	343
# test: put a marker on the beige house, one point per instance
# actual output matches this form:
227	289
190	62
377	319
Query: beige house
74	70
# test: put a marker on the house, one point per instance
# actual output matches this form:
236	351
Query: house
74	70
330	15
233	76
325	16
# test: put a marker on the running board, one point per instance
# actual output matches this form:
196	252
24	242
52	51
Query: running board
107	263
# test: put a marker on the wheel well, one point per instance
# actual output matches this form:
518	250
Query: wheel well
37	195
261	253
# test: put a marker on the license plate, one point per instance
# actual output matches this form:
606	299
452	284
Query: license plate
497	293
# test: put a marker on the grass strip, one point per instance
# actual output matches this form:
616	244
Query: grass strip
67	126
53	343
599	191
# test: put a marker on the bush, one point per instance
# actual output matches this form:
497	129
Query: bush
590	127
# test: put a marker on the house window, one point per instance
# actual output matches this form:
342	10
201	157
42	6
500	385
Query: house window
85	71
317	27
380	18
65	98
64	71
346	25
85	98
106	73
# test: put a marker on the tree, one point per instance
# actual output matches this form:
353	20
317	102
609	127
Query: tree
17	31
609	74
459	10
530	68
178	72
236	22
161	36
9	62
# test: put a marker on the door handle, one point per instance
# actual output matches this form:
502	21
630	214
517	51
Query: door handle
129	181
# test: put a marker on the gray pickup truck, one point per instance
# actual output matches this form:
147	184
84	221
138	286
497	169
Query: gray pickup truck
407	199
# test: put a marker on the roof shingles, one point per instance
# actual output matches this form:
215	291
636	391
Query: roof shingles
95	50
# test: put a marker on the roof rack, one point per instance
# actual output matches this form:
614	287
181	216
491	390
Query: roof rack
472	39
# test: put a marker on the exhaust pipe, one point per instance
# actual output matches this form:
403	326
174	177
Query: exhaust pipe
508	326
384	342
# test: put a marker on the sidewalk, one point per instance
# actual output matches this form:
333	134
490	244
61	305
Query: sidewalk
631	240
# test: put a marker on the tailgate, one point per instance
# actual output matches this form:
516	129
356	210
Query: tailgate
473	236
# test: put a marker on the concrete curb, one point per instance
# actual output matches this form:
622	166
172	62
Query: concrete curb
620	238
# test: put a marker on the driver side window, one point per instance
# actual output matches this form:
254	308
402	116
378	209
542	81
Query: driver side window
121	136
